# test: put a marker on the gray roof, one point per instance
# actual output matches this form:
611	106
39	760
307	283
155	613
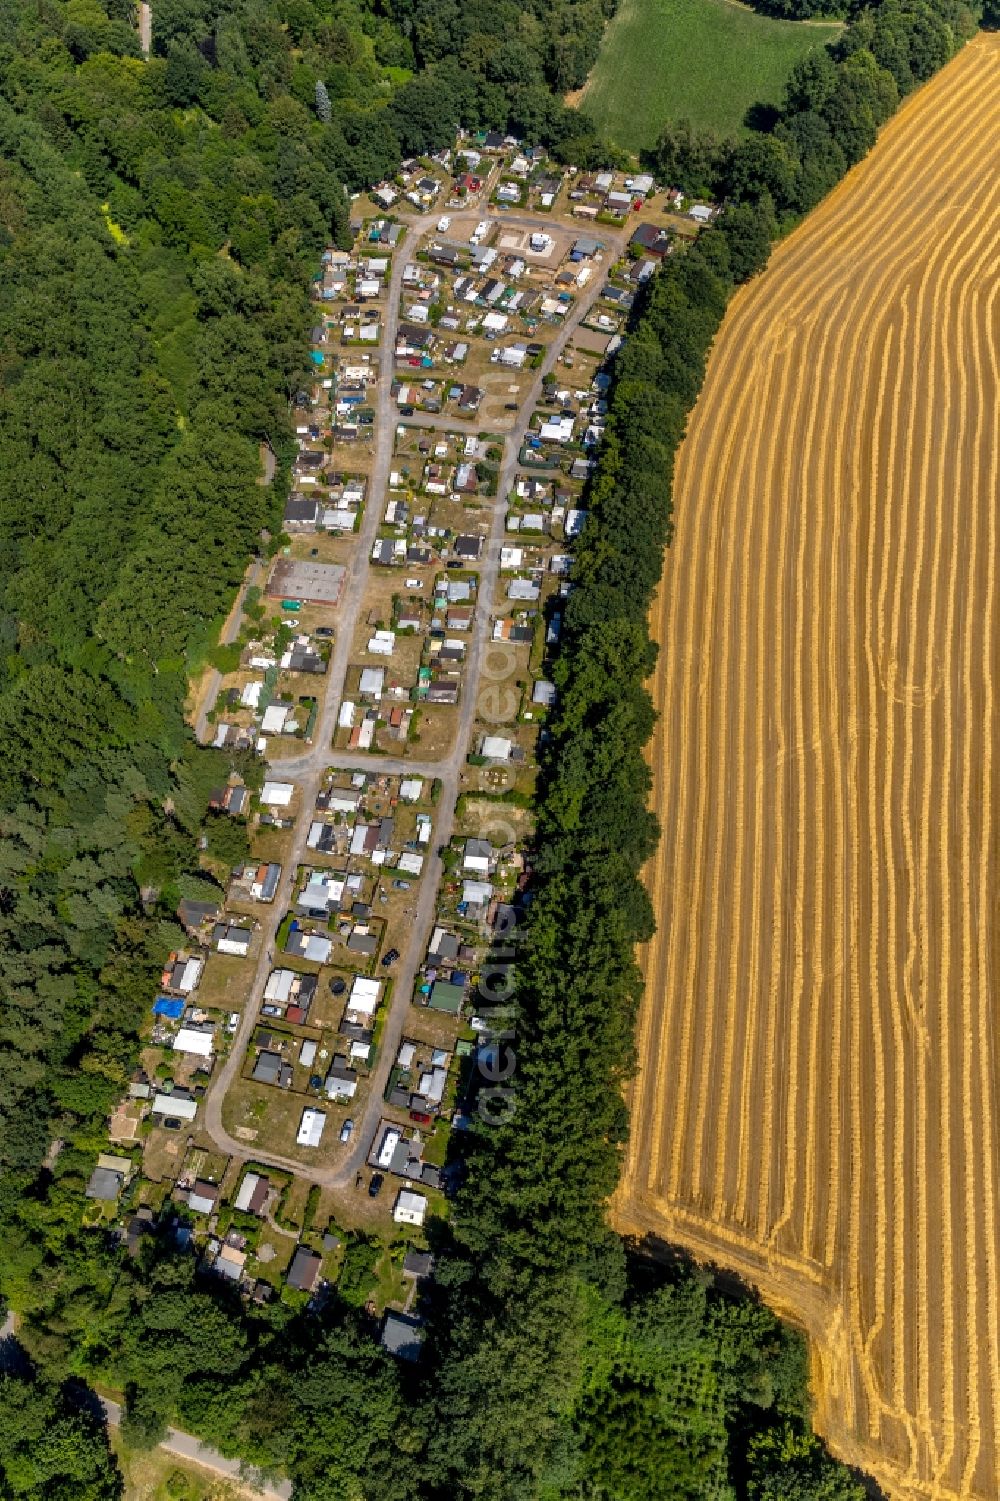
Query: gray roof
447	947
267	1069
304	1269
402	1336
105	1184
192	914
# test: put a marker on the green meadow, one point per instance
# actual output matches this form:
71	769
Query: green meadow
704	60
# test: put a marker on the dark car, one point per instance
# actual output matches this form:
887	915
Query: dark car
323	630
406	411
390	958
172	1123
375	1186
400	885
510	406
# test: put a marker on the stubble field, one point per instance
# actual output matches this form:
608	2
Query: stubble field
817	1101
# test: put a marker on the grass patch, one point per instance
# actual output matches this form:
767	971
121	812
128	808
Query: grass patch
704	60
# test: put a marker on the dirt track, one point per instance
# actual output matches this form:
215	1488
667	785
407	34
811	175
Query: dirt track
817	1104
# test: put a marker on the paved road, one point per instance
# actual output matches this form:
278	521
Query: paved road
186	1446
309	769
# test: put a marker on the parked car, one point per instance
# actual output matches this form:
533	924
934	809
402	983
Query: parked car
375	1186
444	223
390	958
406	411
346	1130
233	1022
421	1117
323	630
400	885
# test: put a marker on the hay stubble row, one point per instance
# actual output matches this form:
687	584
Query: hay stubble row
816	1101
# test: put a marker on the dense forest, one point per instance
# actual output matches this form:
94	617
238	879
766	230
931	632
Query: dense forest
159	225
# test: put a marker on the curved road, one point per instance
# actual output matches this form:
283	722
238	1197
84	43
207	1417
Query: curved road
308	770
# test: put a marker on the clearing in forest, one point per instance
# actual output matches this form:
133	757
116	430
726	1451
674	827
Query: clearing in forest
704	60
817	1100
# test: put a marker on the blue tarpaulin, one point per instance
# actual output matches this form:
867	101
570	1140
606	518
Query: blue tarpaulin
164	1006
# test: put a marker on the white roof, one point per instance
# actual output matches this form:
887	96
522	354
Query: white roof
344	799
432	1085
410	1208
277	794
274	718
411	862
346	717
310	1128
238	946
390	1141
410	789
307	1052
372	679
166	1104
317	949
279	985
405	1055
190	1041
323	889
476	893
382	643
192	974
496	747
558	429
246	1193
364	995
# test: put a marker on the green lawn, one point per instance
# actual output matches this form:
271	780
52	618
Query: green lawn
706	60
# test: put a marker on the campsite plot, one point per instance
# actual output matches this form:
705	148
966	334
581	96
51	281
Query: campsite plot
817	1100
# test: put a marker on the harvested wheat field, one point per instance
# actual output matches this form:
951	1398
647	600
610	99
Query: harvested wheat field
817	1101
